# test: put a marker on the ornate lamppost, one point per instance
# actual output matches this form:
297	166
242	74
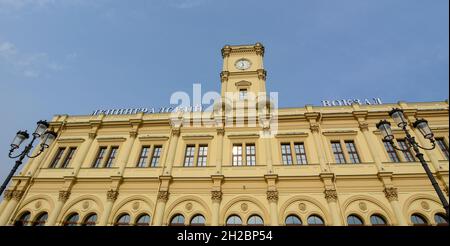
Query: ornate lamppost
47	138
422	125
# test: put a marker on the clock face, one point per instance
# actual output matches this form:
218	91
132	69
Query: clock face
242	64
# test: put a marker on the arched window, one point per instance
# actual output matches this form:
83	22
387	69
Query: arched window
40	219
418	220
90	220
354	220
23	220
177	220
440	220
255	220
377	220
143	220
72	220
315	220
198	220
234	220
293	220
123	220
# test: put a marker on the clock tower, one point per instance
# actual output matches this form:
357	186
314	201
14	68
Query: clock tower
243	70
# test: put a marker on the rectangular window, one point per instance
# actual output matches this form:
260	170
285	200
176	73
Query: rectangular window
251	154
69	157
242	94
156	156
202	155
300	153
351	149
443	146
237	155
57	157
286	154
143	156
391	151
111	157
189	156
406	153
338	153
100	156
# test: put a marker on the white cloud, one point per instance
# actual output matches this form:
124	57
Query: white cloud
31	65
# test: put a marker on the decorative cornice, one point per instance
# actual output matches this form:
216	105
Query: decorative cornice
163	196
17	195
339	133
70	140
243	135
226	51
198	137
112	195
216	195
64	195
391	194
224	76
262	74
8	195
291	134
331	195
111	139
259	48
272	195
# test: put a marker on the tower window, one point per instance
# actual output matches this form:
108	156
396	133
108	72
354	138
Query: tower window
243	94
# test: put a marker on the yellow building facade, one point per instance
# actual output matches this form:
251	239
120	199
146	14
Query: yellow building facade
310	165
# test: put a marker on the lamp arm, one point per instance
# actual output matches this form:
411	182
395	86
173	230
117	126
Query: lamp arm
14	157
400	149
432	147
40	151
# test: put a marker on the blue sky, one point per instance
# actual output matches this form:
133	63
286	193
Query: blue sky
74	56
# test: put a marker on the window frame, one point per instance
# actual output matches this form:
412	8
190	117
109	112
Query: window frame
68	157
58	156
445	153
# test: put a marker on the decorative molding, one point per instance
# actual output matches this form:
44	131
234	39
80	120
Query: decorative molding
259	49
243	83
291	134
262	74
92	134
133	134
331	195
176	132
8	195
17	195
226	51
163	196
64	195
112	195
216	195
198	137
220	131
315	127
153	138
70	140
340	133
272	195
391	194
243	135
363	126
111	139
446	190
224	76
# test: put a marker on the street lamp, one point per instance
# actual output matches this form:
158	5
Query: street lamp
47	138
422	125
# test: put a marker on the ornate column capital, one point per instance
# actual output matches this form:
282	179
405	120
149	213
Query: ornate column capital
216	195
163	196
259	49
176	132
262	74
8	195
64	195
220	131
314	126
92	135
363	126
17	195
112	195
226	51
272	195
224	76
446	190
331	195
133	134
391	194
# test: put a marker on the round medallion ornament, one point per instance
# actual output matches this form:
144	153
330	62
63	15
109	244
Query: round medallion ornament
136	206
363	206
37	205
302	207
85	205
244	207
188	206
425	205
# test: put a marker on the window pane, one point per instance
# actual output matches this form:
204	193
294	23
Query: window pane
300	153
286	155
72	220
123	220
391	151
293	220
40	220
338	153
189	156
315	220
243	94
234	220
237	155
198	220
418	219
156	156
143	156
100	156
251	154
57	157
377	220
351	148
143	220
202	155
406	153
91	220
68	157
440	219
443	146
23	220
177	220
255	220
111	157
354	220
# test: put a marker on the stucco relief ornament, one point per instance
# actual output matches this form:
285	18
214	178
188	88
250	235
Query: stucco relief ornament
64	195
37	204
17	194
363	206
364	126
112	195
244	207
188	206
163	196
216	195
272	195
136	206
85	205
314	127
302	207
331	195
425	205
8	195
391	194
446	190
